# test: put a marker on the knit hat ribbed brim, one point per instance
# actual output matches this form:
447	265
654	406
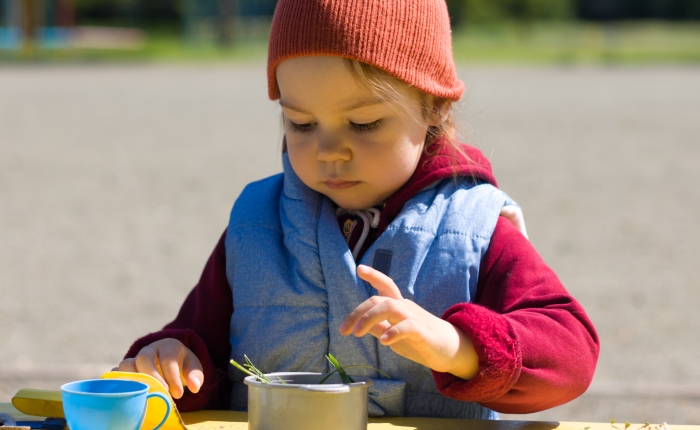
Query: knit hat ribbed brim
410	39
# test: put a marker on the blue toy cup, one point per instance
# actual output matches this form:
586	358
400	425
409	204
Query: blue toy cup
107	404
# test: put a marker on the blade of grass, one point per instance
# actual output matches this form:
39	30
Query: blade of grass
258	373
252	370
350	367
343	376
244	370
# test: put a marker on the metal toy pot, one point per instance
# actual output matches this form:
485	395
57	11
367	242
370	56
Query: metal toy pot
303	404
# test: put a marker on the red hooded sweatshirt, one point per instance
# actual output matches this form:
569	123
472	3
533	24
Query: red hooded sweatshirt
537	347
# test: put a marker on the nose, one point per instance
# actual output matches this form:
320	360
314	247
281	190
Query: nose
332	148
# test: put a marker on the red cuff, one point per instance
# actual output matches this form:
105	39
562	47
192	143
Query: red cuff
499	354
212	377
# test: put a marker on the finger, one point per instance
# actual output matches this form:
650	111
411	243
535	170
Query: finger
127	365
351	320
379	329
392	311
170	368
384	284
515	215
406	329
193	372
146	363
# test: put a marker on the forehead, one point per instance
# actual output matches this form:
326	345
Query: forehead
320	82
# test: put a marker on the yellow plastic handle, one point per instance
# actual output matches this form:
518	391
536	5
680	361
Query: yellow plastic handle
40	403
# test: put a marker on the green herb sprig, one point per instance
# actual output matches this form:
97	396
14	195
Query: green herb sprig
338	368
251	370
341	370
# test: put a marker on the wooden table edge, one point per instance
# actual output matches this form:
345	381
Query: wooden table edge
230	420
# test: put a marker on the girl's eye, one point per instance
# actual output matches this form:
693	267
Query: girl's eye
366	128
301	128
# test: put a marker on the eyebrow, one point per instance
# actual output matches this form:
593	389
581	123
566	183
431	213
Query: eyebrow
358	105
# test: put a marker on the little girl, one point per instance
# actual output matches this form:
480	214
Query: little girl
381	242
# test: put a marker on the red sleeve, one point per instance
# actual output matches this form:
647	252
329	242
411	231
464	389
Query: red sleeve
537	348
202	325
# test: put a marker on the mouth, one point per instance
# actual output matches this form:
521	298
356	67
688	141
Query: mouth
339	184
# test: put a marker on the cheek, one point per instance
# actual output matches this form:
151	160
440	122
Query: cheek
392	162
301	157
407	146
297	145
400	139
407	153
296	157
408	161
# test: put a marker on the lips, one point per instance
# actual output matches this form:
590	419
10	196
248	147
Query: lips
339	184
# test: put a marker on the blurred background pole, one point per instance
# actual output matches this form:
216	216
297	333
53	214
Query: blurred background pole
27	27
65	13
188	17
227	22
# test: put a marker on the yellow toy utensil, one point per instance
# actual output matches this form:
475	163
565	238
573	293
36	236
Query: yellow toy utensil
40	403
155	411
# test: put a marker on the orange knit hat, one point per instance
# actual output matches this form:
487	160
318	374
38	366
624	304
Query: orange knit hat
410	39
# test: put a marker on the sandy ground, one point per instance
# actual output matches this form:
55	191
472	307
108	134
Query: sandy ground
116	182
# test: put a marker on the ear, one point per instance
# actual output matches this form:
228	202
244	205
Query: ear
439	108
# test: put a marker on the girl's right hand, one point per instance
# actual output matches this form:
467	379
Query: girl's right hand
171	363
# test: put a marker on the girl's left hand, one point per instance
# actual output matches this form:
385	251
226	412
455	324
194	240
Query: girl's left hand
410	330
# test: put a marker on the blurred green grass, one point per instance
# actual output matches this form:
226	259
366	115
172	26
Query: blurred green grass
508	43
579	43
160	46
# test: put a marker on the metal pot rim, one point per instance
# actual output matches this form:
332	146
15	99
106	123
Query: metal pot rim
362	381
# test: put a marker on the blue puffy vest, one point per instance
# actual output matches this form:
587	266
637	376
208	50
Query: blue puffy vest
294	281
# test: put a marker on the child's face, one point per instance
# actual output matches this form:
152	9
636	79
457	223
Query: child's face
342	140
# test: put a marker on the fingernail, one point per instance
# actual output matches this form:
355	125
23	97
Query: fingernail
197	383
343	327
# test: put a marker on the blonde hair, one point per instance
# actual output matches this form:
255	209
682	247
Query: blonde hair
390	88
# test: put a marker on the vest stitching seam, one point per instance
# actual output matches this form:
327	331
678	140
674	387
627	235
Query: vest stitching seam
443	233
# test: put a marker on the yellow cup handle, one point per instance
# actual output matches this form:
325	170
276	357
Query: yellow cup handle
167	408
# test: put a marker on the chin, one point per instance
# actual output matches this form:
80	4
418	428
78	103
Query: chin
351	201
346	204
343	201
352	204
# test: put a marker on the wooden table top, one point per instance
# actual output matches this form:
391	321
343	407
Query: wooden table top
228	420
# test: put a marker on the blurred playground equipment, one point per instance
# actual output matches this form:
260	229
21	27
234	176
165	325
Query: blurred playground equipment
206	22
51	24
45	23
540	31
